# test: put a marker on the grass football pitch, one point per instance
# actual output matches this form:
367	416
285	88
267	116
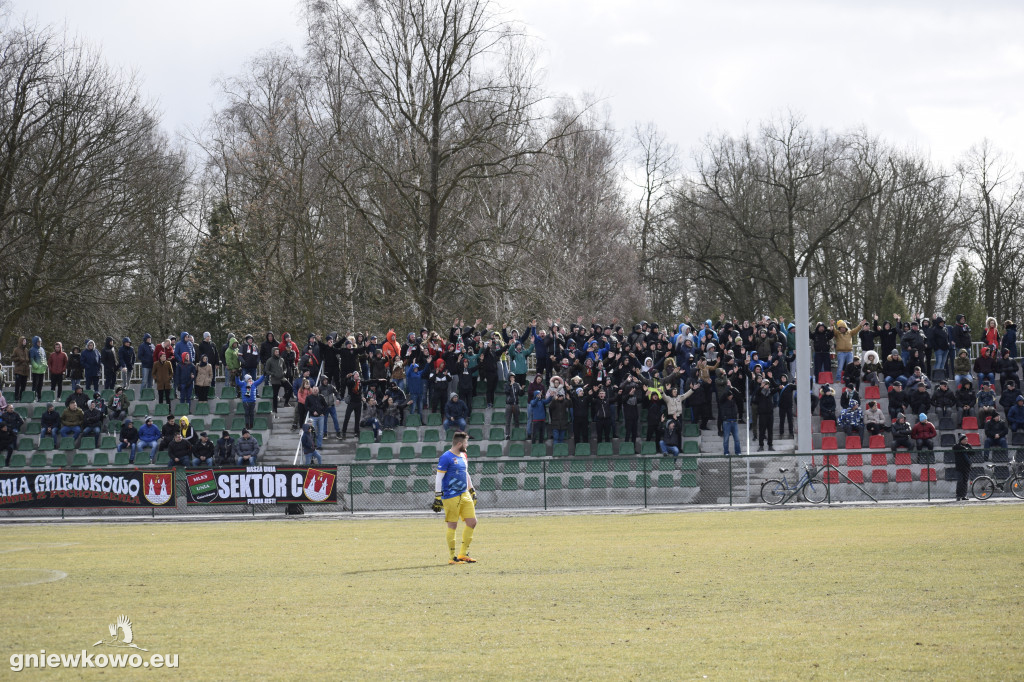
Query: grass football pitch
860	593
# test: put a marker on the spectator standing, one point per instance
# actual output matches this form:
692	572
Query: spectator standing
317	412
57	363
184	379
146	351
250	392
204	378
962	460
537	413
163	375
353	398
22	367
329	395
249	357
513	392
274	369
37	361
108	358
207	348
75	371
126	361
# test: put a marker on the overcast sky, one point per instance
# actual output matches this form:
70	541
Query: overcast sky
936	75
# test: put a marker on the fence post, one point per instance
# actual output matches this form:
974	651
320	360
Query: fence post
928	476
647	481
728	460
544	475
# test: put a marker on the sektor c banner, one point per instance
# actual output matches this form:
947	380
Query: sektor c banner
261	485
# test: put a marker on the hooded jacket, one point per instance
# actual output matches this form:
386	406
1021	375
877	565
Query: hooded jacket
37	356
146	350
22	364
126	354
184	346
57	361
108	356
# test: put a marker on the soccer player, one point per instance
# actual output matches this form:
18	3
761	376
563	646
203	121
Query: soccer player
455	494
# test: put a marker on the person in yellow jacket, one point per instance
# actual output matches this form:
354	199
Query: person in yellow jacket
844	345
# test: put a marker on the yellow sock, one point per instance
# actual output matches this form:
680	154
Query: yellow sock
467	537
450	536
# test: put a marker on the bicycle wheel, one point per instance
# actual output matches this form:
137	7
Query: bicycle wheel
815	491
983	487
1017	487
773	491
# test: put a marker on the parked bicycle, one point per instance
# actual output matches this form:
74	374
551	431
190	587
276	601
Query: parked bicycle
777	491
985	487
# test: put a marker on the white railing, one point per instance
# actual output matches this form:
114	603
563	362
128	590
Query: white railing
298	447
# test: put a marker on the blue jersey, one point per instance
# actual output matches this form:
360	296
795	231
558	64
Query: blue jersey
454	467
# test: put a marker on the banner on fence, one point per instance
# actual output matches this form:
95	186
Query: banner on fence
261	485
66	489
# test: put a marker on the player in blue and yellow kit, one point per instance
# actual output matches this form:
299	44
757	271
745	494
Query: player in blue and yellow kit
455	494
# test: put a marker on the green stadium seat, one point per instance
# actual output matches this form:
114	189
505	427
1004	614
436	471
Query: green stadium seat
60	459
666	464
237	424
228	393
494	450
509	483
162	459
691	431
517	450
649	448
107	394
560	450
47	396
355	487
413	421
222	409
534	467
600	465
67	443
644	481
358	471
80	460
531	483
398	486
201	409
489	468
425	470
479	402
27	444
121	459
38	410
32	429
385	453
538	450
688	480
476	434
264	407
577	466
377	487
403	470
140	411
217	424
433	419
486	485
582	450
576	483
429	452
102	459
666	481
388	437
365	436
431	436
410	436
691	447
260	424
556	467
161	410
553	483
17	461
148	395
476	418
623	465
627	447
519	433
498	417
421	485
23	410
473	451
688	463
620	481
496	434
605	449
258	437
407	452
381	470
110	443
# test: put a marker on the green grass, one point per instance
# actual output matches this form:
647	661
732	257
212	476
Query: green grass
801	594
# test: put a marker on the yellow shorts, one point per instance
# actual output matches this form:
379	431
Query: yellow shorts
461	507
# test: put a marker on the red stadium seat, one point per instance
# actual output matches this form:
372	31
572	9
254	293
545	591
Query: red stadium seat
877	442
832	460
852	443
904	476
855	475
872	393
928	475
969	424
825	377
831	477
828	426
879	476
974	439
829	443
902	459
855	460
879	459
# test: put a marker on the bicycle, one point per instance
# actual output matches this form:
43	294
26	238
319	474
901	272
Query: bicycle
777	491
983	487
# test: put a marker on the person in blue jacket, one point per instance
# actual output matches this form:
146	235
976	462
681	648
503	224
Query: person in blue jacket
537	414
149	437
92	366
414	383
250	392
185	345
185	378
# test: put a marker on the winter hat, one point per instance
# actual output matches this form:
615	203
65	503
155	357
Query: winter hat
207	335
203	434
961	437
245	431
224	434
126	340
536	394
184	357
147	336
128	421
922	417
248	377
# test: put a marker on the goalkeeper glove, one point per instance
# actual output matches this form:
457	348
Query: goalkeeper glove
437	505
472	493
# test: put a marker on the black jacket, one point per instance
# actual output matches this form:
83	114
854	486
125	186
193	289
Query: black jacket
962	457
180	452
207	450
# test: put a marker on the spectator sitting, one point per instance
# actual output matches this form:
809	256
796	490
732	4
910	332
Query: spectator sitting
918	377
984	366
849	393
874	419
455	414
72	421
247	450
894	369
7	442
827	403
986	402
128	439
179	451
962	367
923	433
670	439
944	399
225	452
901	433
149	437
13	420
119	405
995	433
204	452
92	422
1015	417
167	432
49	425
919	400
852	373
851	420
872	368
966	399
370	416
1009	397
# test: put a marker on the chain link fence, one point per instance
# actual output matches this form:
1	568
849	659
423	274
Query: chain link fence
603	482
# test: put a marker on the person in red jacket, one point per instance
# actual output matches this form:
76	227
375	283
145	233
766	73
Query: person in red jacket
923	434
57	362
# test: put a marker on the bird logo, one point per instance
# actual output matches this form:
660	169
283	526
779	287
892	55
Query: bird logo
124	641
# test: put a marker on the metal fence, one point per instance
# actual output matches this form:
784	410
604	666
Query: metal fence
603	482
